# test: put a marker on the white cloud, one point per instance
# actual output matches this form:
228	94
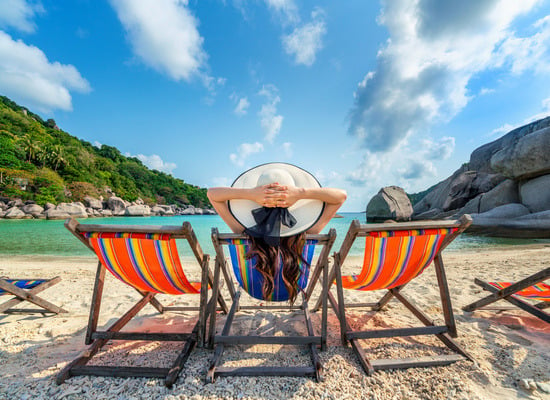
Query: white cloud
242	106
305	41
97	144
269	119
434	50
501	129
244	151
285	9
19	14
28	77
164	35
155	162
287	149
440	150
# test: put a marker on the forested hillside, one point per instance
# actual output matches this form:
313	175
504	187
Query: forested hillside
40	162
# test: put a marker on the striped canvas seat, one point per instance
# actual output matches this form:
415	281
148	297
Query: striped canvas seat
395	254
22	284
148	262
251	280
393	258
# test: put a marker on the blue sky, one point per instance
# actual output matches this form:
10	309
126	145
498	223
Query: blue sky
363	94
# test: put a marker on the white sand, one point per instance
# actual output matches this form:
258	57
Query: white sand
512	348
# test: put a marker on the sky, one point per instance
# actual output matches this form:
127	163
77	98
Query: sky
363	94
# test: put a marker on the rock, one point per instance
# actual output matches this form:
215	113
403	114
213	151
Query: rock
14	213
430	214
116	205
505	211
480	159
32	209
188	211
212	212
93	203
15	203
390	202
3	206
471	207
135	211
139	201
437	197
76	210
527	157
53	213
47	206
535	193
106	213
505	193
545	387
30	202
162	210
90	211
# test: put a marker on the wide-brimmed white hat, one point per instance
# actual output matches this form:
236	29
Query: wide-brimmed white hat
306	212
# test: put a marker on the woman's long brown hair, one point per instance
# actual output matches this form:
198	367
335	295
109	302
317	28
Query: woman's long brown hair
267	262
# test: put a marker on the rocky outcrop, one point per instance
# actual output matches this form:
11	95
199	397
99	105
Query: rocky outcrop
390	203
114	206
504	183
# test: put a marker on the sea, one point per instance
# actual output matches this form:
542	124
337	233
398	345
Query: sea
50	237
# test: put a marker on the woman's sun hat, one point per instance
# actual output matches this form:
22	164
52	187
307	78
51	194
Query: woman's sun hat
304	213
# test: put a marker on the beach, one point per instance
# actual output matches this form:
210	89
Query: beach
511	348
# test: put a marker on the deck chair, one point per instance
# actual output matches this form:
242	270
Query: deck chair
250	280
26	290
145	258
531	288
396	253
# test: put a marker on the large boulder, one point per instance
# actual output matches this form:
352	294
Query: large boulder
92	202
505	193
53	213
535	193
116	205
32	209
76	210
528	157
106	213
162	210
535	225
138	211
15	213
47	206
390	202
481	158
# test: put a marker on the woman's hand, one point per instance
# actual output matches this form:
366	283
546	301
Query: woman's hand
286	196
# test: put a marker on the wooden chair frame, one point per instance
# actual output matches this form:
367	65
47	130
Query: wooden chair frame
445	333
29	295
312	341
508	294
97	338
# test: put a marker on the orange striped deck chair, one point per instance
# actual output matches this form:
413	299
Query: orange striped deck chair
25	290
532	288
145	258
395	254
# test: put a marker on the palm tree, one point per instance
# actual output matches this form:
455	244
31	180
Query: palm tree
30	147
57	157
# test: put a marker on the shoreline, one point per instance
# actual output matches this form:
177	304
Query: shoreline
509	347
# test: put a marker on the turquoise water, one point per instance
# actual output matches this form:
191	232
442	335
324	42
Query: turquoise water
43	237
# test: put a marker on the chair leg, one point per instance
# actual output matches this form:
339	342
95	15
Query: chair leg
218	352
341	305
445	296
215	293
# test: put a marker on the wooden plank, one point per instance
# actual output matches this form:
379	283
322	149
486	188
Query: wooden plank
151	336
176	368
252	340
445	295
417	362
95	304
266	371
119	371
383	333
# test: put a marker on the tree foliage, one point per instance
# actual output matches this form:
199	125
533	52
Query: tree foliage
61	167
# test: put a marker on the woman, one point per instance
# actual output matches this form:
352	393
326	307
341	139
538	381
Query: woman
276	204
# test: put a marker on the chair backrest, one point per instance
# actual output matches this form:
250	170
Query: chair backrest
249	278
144	257
396	253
